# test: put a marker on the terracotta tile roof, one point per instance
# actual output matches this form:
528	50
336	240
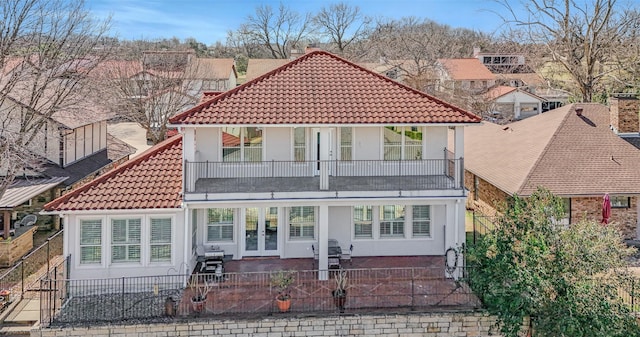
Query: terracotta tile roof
499	91
568	154
466	69
207	95
321	88
151	180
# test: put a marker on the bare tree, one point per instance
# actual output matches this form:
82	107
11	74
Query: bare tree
154	87
581	36
420	42
342	24
46	50
278	31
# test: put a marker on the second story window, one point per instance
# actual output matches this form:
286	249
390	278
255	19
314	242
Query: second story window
402	143
299	144
241	144
346	143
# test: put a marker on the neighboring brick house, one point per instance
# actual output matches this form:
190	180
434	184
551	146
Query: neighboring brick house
576	157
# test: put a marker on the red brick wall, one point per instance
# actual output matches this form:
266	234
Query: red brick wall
624	114
590	208
490	199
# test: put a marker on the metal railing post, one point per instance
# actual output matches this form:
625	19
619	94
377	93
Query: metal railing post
22	278
48	255
122	297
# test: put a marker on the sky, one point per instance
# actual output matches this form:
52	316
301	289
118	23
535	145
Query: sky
209	21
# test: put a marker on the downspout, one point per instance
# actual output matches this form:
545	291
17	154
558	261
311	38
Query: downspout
186	246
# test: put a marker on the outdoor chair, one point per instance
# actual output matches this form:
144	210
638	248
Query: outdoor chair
27	220
346	255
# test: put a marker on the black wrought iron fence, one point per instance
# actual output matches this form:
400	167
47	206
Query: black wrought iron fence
160	297
482	225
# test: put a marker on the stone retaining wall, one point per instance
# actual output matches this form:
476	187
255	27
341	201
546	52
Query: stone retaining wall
474	324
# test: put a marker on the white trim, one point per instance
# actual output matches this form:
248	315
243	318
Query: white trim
214	125
96	212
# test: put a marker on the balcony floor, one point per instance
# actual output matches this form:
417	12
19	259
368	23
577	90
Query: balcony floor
312	184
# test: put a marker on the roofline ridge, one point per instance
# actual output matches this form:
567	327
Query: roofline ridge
229	92
546	147
164	145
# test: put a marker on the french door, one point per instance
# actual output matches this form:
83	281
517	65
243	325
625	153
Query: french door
261	228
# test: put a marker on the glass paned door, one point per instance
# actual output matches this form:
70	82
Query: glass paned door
261	231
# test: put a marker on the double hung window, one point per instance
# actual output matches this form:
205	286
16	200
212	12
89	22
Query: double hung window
219	224
302	222
402	143
91	241
160	242
125	240
391	220
241	144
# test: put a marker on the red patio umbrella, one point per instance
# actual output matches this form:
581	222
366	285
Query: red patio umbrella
606	209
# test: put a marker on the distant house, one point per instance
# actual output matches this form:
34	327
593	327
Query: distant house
513	103
319	148
571	151
259	67
466	74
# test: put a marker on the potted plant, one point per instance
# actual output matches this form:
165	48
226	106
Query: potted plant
281	280
199	291
340	293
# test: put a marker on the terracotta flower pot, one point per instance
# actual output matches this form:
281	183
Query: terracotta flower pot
283	304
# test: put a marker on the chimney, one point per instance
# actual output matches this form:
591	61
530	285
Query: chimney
476	51
624	113
578	110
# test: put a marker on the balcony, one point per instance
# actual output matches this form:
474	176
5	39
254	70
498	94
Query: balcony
321	179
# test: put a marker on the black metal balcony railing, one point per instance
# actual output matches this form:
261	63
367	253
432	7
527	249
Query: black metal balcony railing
140	299
308	176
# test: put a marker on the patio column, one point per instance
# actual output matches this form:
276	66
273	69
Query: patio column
325	156
458	153
323	243
6	218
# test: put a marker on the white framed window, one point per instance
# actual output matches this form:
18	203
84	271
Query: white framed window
91	241
363	221
299	144
241	144
302	222
620	201
402	143
220	224
346	143
160	240
125	240
421	221
392	221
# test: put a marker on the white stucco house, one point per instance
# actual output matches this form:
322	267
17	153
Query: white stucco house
317	149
